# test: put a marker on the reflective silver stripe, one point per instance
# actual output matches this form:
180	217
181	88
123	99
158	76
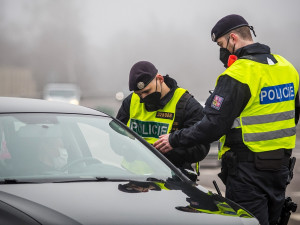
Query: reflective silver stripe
264	136
236	123
250	120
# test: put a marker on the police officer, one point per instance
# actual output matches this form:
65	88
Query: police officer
255	109
158	106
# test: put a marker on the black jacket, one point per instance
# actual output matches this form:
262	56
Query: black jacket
193	113
234	96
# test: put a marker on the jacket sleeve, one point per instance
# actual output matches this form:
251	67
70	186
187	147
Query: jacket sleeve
194	114
225	104
124	111
180	155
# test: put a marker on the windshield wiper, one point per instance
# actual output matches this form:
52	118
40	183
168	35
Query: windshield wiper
95	179
110	179
77	179
153	179
15	181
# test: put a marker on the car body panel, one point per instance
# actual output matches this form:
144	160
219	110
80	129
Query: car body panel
16	105
29	212
106	204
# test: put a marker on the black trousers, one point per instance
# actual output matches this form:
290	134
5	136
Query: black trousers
262	192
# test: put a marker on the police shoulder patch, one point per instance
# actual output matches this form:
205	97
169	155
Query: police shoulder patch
217	102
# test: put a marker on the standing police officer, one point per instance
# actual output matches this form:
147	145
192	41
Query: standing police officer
158	106
254	109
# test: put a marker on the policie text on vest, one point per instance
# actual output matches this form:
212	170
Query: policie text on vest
149	128
278	93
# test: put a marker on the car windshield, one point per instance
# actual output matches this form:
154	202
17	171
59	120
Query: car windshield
68	147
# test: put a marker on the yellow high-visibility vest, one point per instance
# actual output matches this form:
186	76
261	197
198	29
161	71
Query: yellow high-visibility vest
150	125
268	120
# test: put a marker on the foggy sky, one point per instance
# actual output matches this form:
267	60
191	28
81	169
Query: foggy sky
95	42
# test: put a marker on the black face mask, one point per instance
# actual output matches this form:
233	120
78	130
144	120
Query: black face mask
225	53
152	99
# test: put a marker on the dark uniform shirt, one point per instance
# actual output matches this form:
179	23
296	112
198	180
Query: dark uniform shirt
193	113
218	122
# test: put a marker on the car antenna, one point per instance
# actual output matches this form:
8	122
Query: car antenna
217	188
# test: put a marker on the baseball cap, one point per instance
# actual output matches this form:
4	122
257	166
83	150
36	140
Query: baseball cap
227	24
141	74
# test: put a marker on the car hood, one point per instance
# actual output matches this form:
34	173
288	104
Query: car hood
120	203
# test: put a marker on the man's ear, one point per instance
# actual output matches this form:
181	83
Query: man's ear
234	37
160	78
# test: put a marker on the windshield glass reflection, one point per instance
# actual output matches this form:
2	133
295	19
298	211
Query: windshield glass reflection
59	146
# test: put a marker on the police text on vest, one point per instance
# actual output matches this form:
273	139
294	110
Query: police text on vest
278	93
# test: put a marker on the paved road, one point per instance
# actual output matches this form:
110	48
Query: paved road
209	174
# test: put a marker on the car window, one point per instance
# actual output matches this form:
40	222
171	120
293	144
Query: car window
51	146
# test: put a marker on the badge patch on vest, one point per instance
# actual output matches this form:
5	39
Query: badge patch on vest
149	129
217	102
165	115
278	93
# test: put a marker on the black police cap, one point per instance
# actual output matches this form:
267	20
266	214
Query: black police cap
141	74
227	24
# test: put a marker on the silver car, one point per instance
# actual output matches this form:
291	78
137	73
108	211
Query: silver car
67	164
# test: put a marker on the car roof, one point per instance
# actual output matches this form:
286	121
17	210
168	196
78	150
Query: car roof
26	105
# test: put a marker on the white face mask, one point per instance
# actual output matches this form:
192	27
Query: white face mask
62	159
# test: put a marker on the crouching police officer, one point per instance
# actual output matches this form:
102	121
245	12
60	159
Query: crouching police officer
256	105
158	106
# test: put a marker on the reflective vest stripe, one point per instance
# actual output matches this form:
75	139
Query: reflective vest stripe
264	136
250	120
